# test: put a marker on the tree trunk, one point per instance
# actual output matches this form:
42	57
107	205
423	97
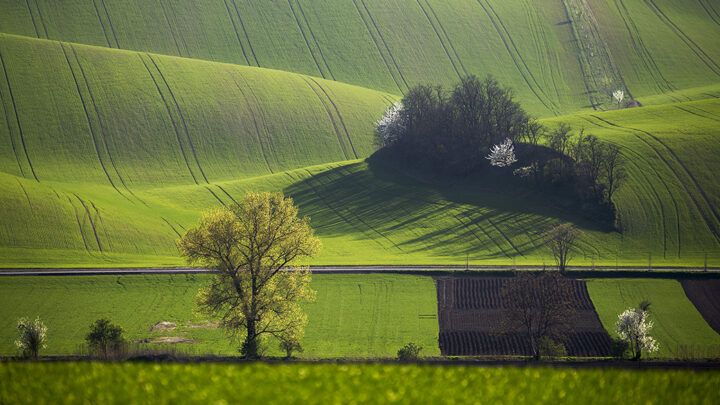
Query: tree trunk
250	347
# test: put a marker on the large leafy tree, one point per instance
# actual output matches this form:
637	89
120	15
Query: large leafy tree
254	248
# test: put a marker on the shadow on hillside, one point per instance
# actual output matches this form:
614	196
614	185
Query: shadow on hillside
411	212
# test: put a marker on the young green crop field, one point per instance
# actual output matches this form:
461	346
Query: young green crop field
329	383
353	315
678	326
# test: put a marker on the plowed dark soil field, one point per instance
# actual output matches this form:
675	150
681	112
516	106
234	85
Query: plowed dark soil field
471	310
705	295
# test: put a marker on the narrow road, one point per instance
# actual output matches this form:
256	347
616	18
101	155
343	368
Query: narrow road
343	270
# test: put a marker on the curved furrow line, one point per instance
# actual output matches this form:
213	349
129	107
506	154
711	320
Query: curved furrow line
17	118
179	33
697	114
331	208
307	43
89	121
170	27
477	224
712	14
247	38
505	237
227	194
102	25
647	181
382	56
167	108
215	195
462	66
260	111
317	45
171	227
112	29
437	33
257	128
37	33
97	212
77	219
332	119
102	127
182	118
515	56
10	134
701	211
237	34
342	122
92	224
27	197
544	45
42	20
640	48
387	48
704	57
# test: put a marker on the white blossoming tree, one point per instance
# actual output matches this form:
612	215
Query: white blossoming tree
633	327
31	336
502	155
619	95
391	127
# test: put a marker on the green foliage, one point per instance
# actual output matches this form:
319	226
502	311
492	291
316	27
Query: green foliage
409	352
549	348
104	336
337	383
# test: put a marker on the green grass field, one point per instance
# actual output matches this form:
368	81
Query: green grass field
353	316
378	384
677	321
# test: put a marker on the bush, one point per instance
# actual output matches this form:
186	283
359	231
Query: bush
104	337
549	348
31	337
619	348
409	352
290	345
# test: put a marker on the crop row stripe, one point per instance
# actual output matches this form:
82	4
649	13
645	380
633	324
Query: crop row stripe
237	34
261	112
332	118
112	29
171	28
257	127
92	224
307	43
440	38
80	228
342	122
102	24
247	38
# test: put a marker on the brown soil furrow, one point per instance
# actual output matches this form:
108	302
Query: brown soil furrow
342	122
112	29
332	119
705	295
237	34
247	38
387	48
215	195
172	120
102	25
437	33
317	45
171	227
257	128
182	118
17	118
307	43
92	224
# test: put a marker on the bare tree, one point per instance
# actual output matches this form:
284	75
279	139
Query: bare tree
561	239
612	170
537	306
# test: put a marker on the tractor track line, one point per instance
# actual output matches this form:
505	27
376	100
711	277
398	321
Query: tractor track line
97	13
237	34
77	219
171	227
26	195
707	60
42	20
10	134
37	33
337	111
215	195
498	25
259	110
170	28
675	173
167	107
579	59
462	66
102	127
505	237
227	194
257	128
179	34
697	114
654	191
711	11
97	212
372	20
92	224
89	122
17	118
332	119
247	38
182	118
437	33
477	225
377	46
307	43
112	29
317	44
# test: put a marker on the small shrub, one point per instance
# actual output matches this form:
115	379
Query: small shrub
549	348
31	337
290	345
619	348
409	352
104	337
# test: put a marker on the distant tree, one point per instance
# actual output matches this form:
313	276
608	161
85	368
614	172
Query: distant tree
561	239
409	352
633	327
533	131
618	95
31	337
559	140
253	249
502	155
548	347
104	336
612	170
537	306
392	126
289	343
